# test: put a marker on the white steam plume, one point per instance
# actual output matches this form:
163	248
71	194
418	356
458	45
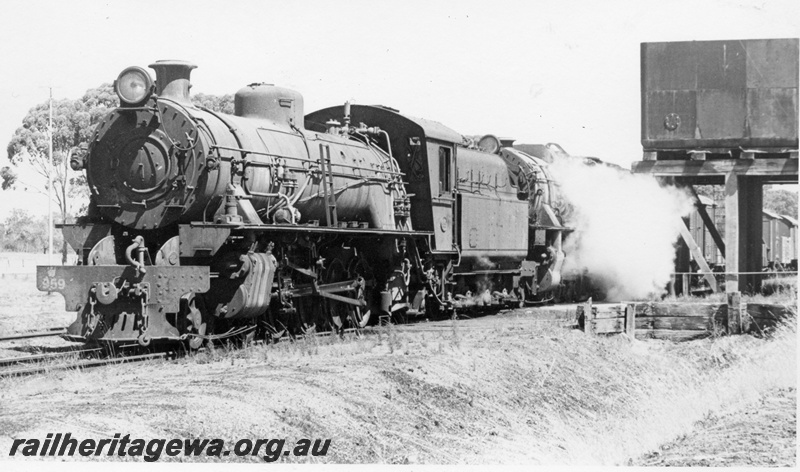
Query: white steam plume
625	227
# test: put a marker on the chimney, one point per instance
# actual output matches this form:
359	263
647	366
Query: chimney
172	80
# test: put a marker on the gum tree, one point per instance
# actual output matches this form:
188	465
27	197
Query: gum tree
73	124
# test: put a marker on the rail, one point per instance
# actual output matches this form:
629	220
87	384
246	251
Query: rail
46	367
49	362
10	361
34	334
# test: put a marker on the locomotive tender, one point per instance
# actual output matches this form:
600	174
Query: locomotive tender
203	224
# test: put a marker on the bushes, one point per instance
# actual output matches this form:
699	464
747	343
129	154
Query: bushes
23	232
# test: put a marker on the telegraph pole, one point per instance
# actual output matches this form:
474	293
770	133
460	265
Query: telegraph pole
50	188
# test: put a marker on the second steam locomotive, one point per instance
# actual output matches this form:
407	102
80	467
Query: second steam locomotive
203	224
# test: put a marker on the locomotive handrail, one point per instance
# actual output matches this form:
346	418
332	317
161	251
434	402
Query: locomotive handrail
338	190
143	108
315	168
388	143
279	156
324	229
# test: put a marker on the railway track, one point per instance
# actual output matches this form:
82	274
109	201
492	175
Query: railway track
10	361
89	357
49	332
43	367
79	357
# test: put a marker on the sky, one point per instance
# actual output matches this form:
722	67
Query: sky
538	71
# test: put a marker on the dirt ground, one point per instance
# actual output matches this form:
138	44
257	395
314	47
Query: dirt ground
514	388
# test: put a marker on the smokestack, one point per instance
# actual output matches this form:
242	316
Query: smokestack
172	80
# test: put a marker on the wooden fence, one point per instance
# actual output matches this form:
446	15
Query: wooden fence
678	321
24	264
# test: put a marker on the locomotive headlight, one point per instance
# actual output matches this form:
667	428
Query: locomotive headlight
133	86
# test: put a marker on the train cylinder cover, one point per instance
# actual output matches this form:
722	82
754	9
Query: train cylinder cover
260	100
172	80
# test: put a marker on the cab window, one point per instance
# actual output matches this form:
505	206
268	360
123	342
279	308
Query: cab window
445	185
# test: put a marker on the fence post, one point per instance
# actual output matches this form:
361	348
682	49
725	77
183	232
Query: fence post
734	312
685	285
630	320
588	317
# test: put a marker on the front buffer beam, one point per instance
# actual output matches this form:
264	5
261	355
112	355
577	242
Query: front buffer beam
122	302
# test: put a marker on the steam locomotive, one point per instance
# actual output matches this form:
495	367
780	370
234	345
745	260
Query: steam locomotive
203	225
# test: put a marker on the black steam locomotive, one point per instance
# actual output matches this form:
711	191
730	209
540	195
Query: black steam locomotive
203	224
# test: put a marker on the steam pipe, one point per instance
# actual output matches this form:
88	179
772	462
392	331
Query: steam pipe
388	144
282	196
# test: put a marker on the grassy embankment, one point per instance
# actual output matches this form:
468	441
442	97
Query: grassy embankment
512	390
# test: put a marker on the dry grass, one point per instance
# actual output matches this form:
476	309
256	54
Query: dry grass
743	374
501	389
762	434
24	308
778	294
513	391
